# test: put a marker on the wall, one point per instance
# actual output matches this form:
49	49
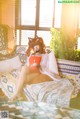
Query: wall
69	18
0	11
8	18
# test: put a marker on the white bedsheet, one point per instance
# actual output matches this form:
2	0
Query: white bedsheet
53	92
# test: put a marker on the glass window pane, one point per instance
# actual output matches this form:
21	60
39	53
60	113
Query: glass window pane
46	13
46	36
17	37
79	21
28	12
57	22
25	35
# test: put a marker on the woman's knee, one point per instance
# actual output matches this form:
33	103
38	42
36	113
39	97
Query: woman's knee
25	69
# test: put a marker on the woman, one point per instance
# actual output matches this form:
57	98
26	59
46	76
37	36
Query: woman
30	72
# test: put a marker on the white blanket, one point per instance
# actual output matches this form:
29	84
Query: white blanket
53	92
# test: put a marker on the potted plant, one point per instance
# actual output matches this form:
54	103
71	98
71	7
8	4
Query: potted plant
63	45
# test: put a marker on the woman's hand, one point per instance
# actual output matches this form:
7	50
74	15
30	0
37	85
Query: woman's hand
34	64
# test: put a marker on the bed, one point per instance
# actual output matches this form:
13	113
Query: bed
58	91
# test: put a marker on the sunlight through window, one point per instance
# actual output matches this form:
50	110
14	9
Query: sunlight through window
46	36
17	42
36	17
28	12
25	35
46	13
58	9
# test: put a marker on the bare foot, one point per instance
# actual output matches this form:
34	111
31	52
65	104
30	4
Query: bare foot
15	98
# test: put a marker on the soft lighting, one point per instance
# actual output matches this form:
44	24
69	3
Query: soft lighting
78	43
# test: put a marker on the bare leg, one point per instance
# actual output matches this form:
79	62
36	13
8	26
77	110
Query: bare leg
28	77
20	81
24	78
39	78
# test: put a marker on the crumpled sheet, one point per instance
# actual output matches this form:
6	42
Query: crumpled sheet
53	92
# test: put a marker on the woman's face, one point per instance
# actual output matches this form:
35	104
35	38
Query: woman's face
36	48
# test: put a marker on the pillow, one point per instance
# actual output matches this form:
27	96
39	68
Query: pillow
21	51
7	84
71	71
3	37
10	64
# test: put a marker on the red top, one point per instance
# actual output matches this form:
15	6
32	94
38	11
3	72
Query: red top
34	59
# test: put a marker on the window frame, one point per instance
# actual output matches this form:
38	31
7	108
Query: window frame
35	27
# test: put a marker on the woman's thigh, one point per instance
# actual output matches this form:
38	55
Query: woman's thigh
37	78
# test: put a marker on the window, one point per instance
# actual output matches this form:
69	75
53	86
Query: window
28	12
57	17
46	13
36	17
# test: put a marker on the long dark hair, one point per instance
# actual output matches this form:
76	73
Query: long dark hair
33	42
